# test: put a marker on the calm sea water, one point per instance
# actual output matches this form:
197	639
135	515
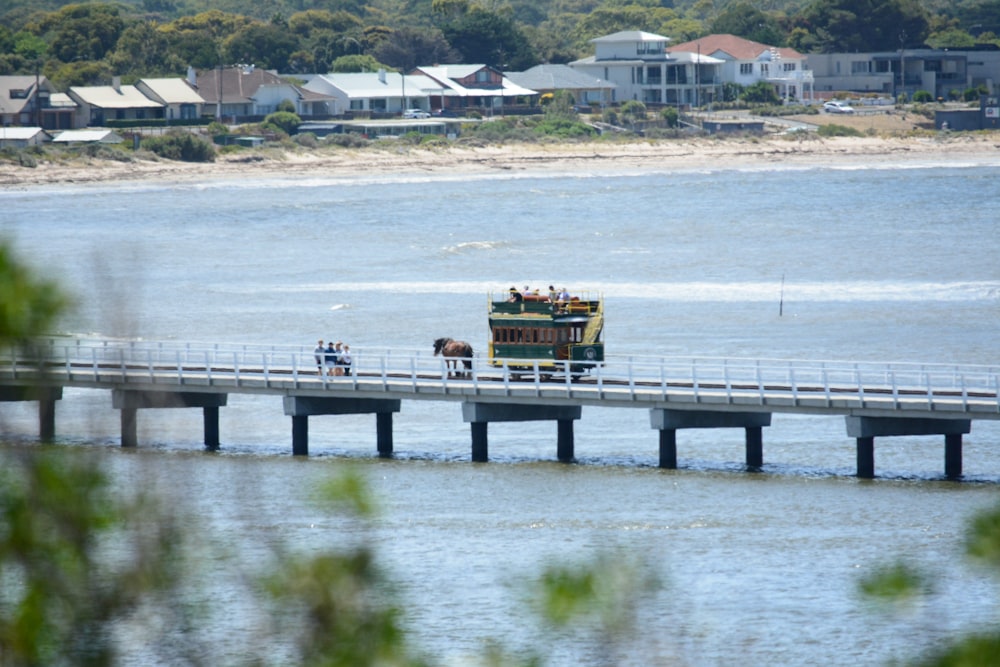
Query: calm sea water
887	262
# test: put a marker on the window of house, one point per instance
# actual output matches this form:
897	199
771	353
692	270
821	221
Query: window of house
746	69
932	65
788	67
764	69
483	76
860	67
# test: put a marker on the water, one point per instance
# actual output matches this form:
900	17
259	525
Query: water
883	263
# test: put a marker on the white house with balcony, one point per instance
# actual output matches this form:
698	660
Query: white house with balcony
746	62
642	68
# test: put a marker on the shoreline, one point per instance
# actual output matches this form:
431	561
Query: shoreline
652	156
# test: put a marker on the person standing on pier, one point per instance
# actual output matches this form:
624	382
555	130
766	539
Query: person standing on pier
330	357
345	359
318	354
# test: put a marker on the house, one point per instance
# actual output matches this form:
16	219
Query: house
746	62
584	88
96	105
27	101
180	100
480	87
641	68
22	137
246	93
377	92
88	136
905	71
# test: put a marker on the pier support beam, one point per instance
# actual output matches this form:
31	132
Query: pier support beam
46	397
866	429
130	401
667	422
300	408
479	415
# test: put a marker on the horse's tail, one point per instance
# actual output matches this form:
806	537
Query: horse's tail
468	357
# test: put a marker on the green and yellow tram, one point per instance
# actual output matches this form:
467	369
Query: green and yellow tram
556	335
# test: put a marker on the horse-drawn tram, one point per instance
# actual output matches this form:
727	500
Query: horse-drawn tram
556	335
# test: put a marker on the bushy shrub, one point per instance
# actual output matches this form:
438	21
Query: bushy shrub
306	140
180	145
834	130
564	129
285	121
670	115
922	97
348	140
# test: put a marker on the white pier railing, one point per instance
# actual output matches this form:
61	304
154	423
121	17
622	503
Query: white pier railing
773	385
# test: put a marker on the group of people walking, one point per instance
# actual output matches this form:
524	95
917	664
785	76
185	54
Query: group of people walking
334	359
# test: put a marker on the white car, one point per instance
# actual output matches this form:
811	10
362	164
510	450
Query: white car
416	113
836	106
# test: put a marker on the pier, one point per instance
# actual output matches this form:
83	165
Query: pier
876	400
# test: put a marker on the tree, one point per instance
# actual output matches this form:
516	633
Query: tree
953	38
264	44
744	20
866	25
356	64
144	51
84	32
412	47
481	36
760	93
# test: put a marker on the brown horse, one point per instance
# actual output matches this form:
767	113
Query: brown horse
457	349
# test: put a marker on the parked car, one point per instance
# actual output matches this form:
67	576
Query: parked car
836	106
416	113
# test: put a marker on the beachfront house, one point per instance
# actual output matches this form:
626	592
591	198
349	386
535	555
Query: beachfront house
460	88
641	68
365	93
96	105
31	100
180	100
941	72
584	89
745	62
248	93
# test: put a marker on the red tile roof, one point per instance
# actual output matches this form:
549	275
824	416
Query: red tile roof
736	47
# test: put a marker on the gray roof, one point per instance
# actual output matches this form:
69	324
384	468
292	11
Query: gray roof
557	77
111	97
173	91
631	36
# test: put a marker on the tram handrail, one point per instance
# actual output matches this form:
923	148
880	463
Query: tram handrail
890	385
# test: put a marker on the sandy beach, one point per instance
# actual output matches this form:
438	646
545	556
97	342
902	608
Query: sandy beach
662	155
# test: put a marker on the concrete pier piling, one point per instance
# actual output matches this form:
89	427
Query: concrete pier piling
668	421
866	429
479	415
300	408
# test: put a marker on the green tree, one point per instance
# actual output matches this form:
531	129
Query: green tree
356	64
144	51
952	38
264	44
866	25
411	47
760	93
482	36
84	31
744	20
